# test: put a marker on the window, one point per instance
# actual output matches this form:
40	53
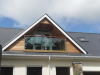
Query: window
34	70
91	73
6	70
82	39
62	71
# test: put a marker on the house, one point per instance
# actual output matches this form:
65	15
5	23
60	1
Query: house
44	48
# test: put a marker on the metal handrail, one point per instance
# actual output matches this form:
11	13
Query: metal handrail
45	36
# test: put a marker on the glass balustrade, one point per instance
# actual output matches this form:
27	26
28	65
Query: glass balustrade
44	43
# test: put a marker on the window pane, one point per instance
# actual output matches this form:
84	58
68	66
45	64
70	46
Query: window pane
28	42
62	71
37	40
44	43
58	44
91	73
6	70
34	70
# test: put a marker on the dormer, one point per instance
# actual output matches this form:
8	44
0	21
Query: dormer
44	36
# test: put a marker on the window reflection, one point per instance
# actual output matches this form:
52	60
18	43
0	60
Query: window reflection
44	43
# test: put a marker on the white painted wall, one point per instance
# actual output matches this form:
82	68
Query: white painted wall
20	65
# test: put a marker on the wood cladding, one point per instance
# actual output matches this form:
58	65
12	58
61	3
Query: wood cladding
45	21
71	48
18	45
51	51
45	24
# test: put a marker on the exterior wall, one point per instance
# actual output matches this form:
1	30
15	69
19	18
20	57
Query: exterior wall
20	65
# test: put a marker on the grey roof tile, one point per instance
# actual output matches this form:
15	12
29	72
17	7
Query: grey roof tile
6	34
93	46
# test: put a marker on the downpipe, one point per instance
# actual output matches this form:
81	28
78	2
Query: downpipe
49	65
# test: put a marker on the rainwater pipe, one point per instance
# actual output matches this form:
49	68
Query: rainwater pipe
49	65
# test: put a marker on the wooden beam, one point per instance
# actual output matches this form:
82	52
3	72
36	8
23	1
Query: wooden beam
45	21
53	51
46	36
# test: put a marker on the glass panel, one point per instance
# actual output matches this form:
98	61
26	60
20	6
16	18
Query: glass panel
58	44
28	42
34	70
44	43
37	43
6	71
63	71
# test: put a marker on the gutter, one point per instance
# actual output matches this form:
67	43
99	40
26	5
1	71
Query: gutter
51	56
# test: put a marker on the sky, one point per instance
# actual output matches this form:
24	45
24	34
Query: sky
71	15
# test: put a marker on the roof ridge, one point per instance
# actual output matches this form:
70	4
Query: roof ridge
10	28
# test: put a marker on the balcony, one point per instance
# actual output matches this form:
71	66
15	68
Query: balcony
50	43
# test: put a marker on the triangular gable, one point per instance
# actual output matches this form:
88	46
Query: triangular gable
31	26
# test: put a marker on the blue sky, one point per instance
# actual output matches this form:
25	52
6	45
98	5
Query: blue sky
71	15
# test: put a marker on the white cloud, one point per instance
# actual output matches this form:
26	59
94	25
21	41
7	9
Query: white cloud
27	11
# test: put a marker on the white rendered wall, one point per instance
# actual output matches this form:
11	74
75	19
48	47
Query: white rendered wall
20	65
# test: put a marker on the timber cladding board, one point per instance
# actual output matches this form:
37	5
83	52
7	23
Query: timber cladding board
48	25
45	21
18	45
51	51
71	47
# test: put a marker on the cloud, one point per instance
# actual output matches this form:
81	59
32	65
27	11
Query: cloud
26	12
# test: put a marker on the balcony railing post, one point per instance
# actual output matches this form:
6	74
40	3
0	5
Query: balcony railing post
65	46
0	57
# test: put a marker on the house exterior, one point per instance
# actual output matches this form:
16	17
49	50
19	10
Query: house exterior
44	48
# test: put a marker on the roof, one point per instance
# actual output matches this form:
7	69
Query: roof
6	34
93	44
92	47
